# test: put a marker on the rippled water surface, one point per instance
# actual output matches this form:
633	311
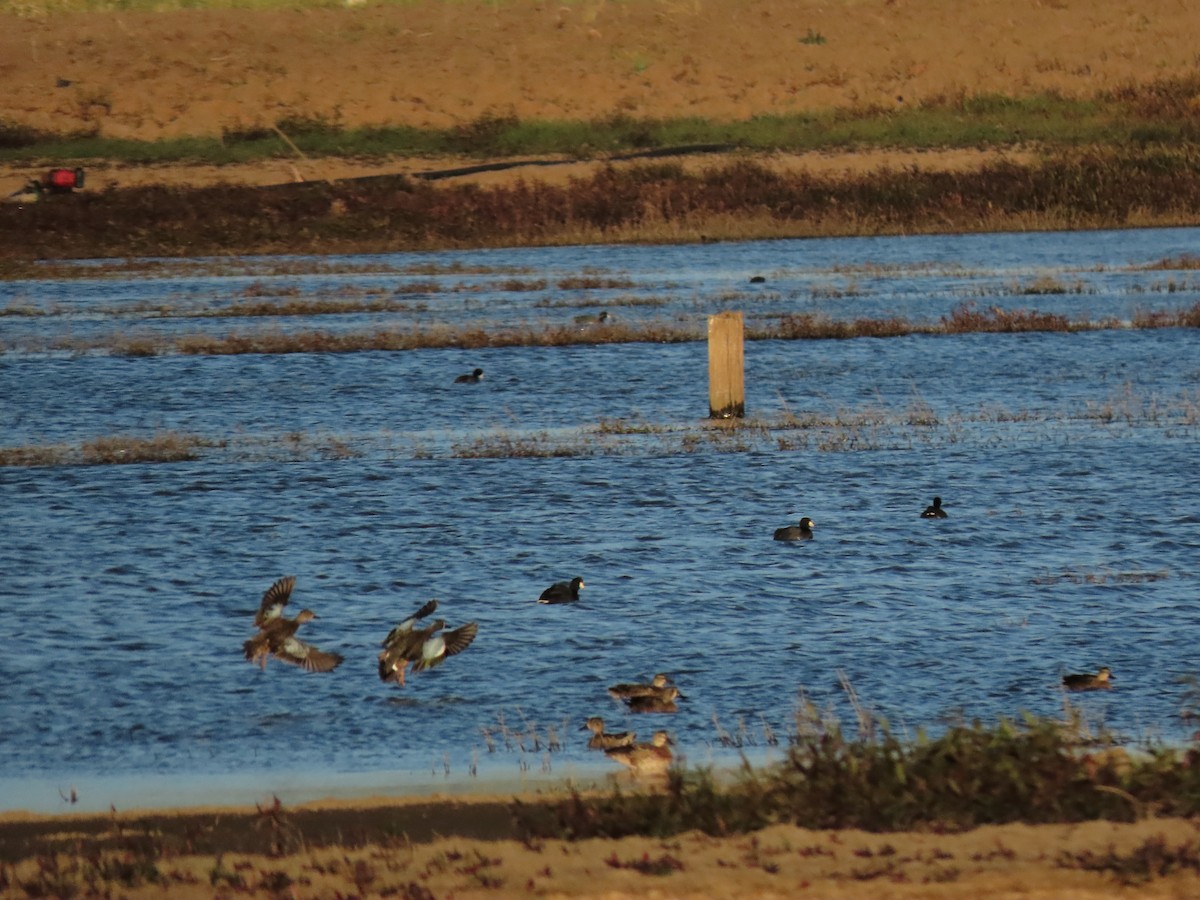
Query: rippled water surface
1066	461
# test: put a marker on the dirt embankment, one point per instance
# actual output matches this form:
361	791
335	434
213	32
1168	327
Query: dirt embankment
434	63
391	848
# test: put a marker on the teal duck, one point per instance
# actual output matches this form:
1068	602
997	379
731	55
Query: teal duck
606	740
655	703
599	319
563	592
422	648
470	377
1101	681
277	633
652	759
934	510
801	532
659	684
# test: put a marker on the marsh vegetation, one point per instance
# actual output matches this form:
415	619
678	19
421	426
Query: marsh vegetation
1123	159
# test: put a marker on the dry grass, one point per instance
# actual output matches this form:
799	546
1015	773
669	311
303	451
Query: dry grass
663	203
1186	262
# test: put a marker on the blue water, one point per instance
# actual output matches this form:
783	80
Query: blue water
1066	462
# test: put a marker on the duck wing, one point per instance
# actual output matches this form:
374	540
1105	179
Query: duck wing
405	628
626	691
310	658
274	600
651	703
438	647
611	740
460	638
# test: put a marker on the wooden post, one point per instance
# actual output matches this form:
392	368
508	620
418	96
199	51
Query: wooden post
726	376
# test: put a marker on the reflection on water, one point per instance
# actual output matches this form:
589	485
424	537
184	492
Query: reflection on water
1065	463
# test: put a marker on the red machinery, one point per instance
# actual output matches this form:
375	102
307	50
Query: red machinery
62	181
56	181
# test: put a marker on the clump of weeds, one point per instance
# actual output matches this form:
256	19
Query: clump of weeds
1030	770
1153	858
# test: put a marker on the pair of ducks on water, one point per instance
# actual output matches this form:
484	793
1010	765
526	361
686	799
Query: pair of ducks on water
405	645
804	531
645	759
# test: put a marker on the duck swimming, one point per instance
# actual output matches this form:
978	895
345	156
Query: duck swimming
934	510
655	703
801	532
277	633
602	740
658	685
422	648
470	377
652	759
1101	681
563	592
598	319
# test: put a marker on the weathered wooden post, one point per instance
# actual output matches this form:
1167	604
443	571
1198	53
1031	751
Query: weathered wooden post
726	375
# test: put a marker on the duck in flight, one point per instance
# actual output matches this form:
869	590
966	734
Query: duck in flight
421	647
277	633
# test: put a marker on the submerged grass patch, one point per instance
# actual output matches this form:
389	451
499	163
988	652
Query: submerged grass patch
916	425
966	318
166	446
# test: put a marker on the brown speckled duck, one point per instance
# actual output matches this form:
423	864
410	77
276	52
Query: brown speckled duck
643	760
277	633
604	740
422	648
655	703
658	685
1101	681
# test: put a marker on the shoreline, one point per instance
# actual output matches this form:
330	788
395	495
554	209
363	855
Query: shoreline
471	847
139	794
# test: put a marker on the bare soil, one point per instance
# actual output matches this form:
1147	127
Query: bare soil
150	75
464	848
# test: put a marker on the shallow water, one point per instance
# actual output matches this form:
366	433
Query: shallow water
1066	463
